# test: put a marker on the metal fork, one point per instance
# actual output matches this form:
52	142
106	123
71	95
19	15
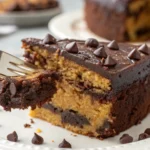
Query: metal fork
13	66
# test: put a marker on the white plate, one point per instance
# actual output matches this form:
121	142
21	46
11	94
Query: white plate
72	25
31	18
15	120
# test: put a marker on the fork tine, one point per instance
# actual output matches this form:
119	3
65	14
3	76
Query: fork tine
23	67
13	66
17	72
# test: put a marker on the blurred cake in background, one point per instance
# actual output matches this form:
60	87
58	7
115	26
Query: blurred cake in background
26	5
122	20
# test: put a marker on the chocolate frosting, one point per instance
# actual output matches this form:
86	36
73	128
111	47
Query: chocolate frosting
124	73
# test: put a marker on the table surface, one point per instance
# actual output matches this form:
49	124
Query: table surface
12	43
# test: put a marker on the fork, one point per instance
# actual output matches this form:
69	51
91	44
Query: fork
13	66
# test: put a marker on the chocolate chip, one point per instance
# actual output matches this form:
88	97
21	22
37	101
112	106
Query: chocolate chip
134	54
110	62
32	121
100	52
143	136
12	137
72	47
144	49
91	43
38	140
12	89
27	125
49	39
65	144
113	45
147	131
126	139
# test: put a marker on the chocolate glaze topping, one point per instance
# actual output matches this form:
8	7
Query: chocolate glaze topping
125	70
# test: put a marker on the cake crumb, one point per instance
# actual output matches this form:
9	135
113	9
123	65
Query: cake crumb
73	135
53	141
27	125
38	130
32	121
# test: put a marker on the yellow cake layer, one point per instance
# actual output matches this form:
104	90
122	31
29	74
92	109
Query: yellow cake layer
68	97
69	70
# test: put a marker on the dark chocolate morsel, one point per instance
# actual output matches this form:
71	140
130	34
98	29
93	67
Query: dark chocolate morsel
134	54
73	118
12	89
27	125
91	43
49	39
38	140
65	144
113	45
72	47
12	137
100	52
126	139
110	62
144	49
32	121
147	131
143	136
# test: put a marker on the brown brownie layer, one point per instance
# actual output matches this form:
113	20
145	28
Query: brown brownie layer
32	90
122	20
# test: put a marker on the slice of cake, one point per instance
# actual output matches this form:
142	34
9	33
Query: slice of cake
24	91
122	20
104	87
